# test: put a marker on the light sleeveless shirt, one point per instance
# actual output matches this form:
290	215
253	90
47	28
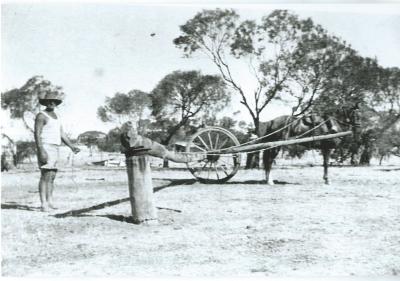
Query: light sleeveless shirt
51	132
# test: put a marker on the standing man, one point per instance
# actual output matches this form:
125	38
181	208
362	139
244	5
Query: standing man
48	137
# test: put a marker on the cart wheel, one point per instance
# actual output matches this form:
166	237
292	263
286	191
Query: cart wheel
213	168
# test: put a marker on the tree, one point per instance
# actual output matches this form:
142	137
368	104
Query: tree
23	102
183	95
385	100
322	58
124	107
25	150
112	142
288	58
8	152
384	113
353	80
389	144
91	139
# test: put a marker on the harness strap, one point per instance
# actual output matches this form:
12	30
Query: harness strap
286	136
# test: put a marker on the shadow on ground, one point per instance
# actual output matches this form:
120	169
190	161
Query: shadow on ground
389	170
81	212
260	182
189	182
77	213
17	206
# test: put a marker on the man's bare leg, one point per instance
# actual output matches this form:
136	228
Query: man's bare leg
50	188
43	189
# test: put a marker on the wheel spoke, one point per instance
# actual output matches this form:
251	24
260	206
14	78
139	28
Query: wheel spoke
216	141
202	168
198	147
216	171
211	142
224	169
224	160
202	141
223	143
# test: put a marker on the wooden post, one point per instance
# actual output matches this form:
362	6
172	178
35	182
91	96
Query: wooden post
141	189
138	150
139	177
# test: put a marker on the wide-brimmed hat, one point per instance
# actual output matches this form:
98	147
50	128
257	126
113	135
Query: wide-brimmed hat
51	96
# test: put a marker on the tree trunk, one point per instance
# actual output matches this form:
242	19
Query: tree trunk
380	160
353	160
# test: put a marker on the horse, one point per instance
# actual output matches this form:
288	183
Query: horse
284	127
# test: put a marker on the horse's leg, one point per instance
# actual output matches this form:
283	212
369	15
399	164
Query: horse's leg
326	154
268	158
354	152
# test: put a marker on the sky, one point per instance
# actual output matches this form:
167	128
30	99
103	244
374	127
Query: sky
95	49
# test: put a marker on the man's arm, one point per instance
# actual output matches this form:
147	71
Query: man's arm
40	121
66	140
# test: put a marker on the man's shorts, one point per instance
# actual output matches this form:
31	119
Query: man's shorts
53	156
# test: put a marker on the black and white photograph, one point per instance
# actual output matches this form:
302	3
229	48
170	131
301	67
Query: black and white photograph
200	139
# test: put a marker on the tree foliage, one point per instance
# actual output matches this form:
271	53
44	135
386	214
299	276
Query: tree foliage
112	142
353	80
124	107
389	144
23	102
384	100
25	150
289	58
362	81
384	115
183	95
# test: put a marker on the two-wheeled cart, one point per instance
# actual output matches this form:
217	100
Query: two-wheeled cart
220	152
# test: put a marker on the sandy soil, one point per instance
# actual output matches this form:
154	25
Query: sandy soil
298	228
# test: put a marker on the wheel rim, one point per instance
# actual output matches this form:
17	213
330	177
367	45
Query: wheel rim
213	168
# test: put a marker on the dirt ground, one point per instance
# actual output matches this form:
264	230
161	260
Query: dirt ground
296	228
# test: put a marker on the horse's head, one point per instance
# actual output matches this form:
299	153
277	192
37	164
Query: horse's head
315	125
326	124
333	125
312	124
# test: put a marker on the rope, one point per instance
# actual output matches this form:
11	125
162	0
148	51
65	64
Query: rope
73	171
343	123
263	137
312	129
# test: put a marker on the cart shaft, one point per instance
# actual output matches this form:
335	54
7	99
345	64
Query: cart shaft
261	146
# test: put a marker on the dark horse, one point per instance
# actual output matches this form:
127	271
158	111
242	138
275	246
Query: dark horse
285	127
